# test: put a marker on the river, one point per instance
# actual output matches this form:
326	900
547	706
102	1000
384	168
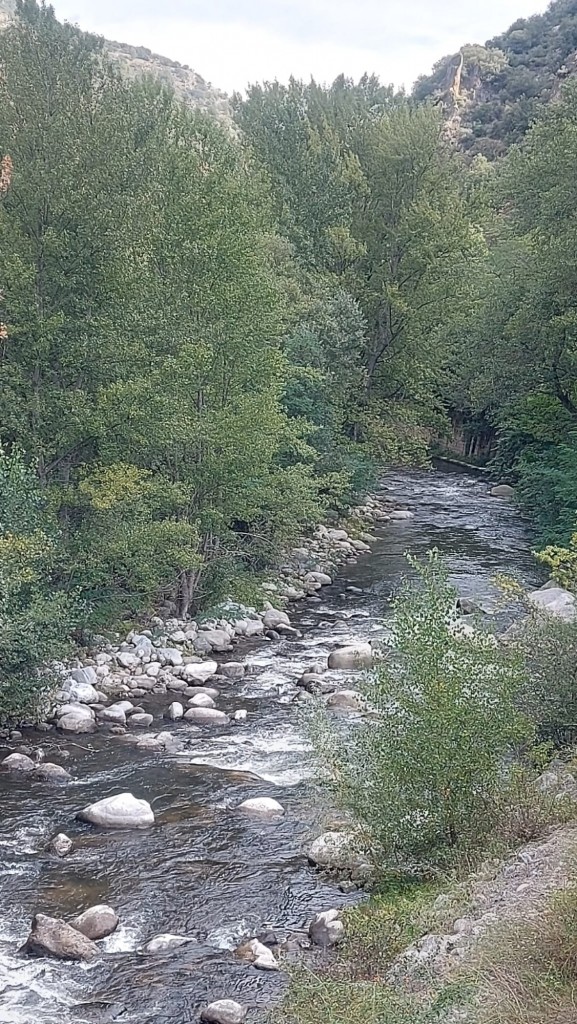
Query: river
202	870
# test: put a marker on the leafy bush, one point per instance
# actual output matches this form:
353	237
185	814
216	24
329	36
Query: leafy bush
422	774
35	617
548	647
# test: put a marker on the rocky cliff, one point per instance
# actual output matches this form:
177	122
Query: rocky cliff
137	60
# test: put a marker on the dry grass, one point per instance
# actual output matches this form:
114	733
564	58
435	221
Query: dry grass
528	971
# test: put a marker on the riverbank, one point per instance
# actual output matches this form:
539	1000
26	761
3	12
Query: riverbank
204	871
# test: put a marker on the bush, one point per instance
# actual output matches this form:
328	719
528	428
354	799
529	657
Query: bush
423	773
548	647
35	617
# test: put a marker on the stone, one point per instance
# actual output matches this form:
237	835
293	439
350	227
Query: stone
240	715
121	811
232	670
218	639
76	723
164	943
273	618
114	715
199	672
224	1011
201	700
206	716
326	929
468	607
153	669
83	693
319	577
122	705
18	763
337	534
399	515
254	627
85	676
554	601
258	955
96	922
355	656
262	807
50	772
361	545
142	720
170	656
127	660
354	590
335	851
502	491
559	782
61	845
51	937
80	710
346	700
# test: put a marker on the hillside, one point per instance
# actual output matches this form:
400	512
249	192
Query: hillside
136	60
493	92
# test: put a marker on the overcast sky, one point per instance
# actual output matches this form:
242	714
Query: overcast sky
234	42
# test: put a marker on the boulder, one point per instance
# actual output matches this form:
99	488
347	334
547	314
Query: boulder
201	700
83	693
258	955
170	656
335	851
128	660
318	577
19	763
49	772
346	700
232	670
355	656
337	534
85	676
164	943
206	716
199	672
554	601
76	723
468	607
52	937
503	491
61	845
218	639
96	922
121	811
326	929
224	1011
153	669
122	705
80	710
142	720
175	711
113	715
401	514
273	618
262	807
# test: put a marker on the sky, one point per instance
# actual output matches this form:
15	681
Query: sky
234	42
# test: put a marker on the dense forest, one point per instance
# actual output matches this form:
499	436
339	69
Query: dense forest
212	338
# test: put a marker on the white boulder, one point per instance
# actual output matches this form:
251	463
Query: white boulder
165	942
224	1011
206	716
554	601
258	955
200	672
175	711
326	929
262	807
18	763
96	922
355	656
121	811
346	700
273	618
201	700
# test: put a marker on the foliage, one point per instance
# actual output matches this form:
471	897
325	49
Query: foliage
548	647
423	772
35	617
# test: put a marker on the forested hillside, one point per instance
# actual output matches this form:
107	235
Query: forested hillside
212	339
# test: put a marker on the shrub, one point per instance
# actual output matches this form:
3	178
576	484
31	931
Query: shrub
423	772
548	647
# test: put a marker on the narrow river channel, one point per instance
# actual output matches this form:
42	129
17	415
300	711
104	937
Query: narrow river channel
201	870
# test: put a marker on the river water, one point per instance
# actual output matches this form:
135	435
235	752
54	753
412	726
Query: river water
202	870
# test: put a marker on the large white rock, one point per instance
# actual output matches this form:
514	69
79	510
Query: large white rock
326	929
83	693
165	942
201	700
18	763
232	670
356	656
175	711
170	656
503	491
272	619
262	807
114	715
346	700
334	851
224	1011
61	845
218	639
128	660
254	627
258	955
121	811
73	722
554	601
206	716
80	710
400	514
86	675
96	922
200	672
319	577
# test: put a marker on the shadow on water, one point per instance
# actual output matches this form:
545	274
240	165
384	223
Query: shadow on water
203	870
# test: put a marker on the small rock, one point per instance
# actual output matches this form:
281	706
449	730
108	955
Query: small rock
175	711
356	656
201	700
19	763
121	811
206	716
96	922
76	724
164	943
503	491
346	700
84	676
258	955
401	514
326	929
240	715
49	772
61	845
52	937
335	851
273	618
141	719
262	807
114	715
232	670
224	1011
199	672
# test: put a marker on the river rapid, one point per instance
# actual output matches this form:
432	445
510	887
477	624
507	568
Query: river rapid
202	870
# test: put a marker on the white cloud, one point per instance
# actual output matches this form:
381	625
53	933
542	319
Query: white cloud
407	37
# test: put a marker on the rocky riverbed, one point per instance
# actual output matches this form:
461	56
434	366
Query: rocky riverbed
169	805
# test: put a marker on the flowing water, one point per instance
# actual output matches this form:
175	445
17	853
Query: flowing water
202	870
